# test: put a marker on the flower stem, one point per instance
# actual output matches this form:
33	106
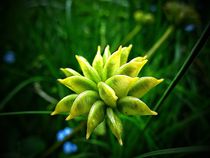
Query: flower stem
130	35
160	41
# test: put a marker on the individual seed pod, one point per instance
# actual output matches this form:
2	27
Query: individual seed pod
125	54
98	62
107	94
87	69
106	54
95	116
114	124
132	68
69	72
121	84
143	85
64	105
139	59
133	106
78	84
83	103
112	64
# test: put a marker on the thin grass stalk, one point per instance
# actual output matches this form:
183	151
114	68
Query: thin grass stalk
194	52
25	113
178	150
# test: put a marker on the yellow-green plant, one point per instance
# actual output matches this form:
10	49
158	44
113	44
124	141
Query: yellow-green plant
108	87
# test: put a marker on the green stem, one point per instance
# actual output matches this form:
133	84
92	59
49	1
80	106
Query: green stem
25	113
130	35
195	51
18	88
162	39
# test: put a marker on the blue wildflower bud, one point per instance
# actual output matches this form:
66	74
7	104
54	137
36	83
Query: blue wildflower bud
189	28
69	148
9	57
67	131
60	135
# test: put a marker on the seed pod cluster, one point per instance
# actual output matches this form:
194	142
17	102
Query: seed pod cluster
106	88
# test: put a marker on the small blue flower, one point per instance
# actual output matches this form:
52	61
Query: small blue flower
60	135
69	147
9	57
189	27
67	131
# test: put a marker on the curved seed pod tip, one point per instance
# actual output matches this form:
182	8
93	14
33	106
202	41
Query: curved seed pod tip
134	106
115	124
95	117
64	105
83	103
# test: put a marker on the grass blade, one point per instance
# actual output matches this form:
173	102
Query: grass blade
24	113
18	88
179	150
195	51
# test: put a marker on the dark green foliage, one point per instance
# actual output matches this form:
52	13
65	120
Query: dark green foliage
46	35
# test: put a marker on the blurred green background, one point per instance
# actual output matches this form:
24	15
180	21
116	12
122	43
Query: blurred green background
39	37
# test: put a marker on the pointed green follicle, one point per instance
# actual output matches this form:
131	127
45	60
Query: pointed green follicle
106	54
78	84
125	54
87	69
112	64
83	103
121	84
64	105
115	124
132	68
69	72
95	117
133	106
140	59
98	62
107	94
143	85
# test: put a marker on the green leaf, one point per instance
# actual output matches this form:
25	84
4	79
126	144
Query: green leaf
87	69
132	68
125	54
115	124
121	84
112	64
69	72
143	85
133	106
98	62
83	103
64	105
78	84
95	117
107	94
106	54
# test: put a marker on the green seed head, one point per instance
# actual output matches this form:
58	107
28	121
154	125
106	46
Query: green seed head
106	88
